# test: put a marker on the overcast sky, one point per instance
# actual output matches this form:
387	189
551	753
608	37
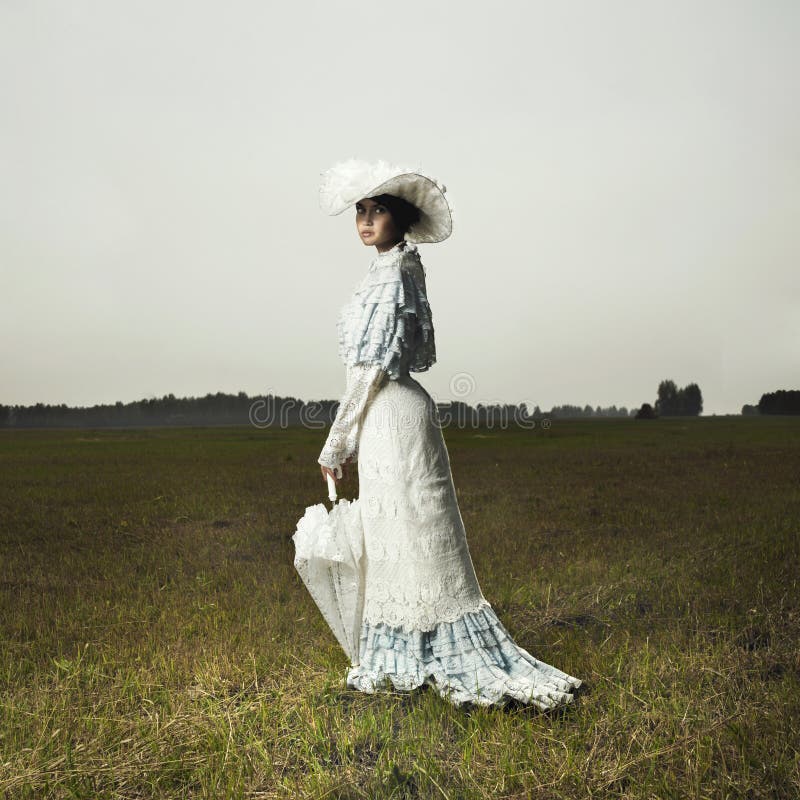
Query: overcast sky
625	179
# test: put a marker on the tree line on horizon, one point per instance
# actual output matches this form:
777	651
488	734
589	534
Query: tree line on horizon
264	411
270	411
783	401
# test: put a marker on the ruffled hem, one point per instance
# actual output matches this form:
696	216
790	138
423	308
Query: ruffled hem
470	660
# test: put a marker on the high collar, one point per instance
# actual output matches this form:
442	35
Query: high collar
393	254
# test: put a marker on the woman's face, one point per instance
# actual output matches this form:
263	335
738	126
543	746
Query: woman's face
375	225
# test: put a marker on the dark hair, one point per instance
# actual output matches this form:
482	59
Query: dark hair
403	213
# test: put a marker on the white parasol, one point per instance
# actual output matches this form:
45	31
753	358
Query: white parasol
328	556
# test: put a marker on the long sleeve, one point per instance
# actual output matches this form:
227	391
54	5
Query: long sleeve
363	381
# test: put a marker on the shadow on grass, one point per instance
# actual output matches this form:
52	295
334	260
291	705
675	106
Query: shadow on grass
407	701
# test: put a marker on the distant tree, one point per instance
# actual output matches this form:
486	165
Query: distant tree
782	401
667	401
675	402
692	399
646	412
749	410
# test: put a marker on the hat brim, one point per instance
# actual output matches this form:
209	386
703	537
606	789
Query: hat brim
436	221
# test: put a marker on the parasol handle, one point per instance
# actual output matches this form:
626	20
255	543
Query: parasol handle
331	488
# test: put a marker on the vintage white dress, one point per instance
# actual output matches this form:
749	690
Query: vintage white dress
425	618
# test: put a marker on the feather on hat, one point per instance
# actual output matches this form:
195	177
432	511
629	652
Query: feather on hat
349	181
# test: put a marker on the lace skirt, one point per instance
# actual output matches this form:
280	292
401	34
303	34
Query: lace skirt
425	618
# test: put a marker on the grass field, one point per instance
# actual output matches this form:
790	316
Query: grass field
155	640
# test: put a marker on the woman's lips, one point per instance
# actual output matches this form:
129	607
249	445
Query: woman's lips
366	233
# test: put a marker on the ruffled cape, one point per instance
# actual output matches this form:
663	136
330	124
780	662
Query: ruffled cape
388	320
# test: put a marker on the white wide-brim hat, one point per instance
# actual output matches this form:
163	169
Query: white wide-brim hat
349	181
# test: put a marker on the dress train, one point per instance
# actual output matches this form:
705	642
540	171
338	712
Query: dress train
425	618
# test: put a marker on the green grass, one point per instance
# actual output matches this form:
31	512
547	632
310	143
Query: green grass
156	642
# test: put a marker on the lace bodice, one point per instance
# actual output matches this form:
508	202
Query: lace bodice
385	331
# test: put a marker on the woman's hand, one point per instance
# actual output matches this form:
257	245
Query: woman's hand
328	471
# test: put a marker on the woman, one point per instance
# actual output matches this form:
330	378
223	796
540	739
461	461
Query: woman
425	618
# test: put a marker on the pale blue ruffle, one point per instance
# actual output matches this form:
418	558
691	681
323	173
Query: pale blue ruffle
471	660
